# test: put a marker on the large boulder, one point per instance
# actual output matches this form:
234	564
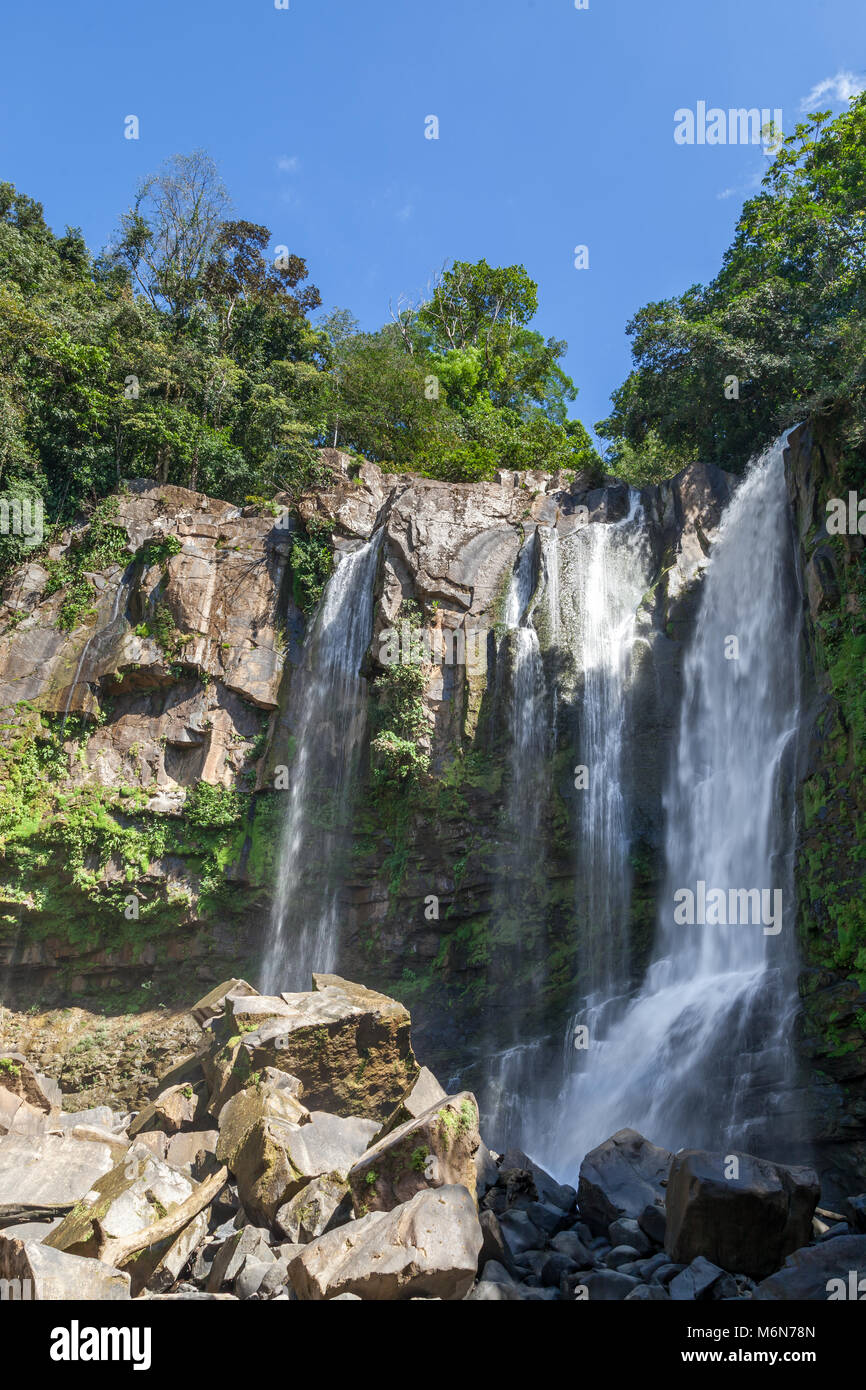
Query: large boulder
312	1210
834	1270
437	1149
48	1174
424	1092
746	1224
276	1096
277	1158
213	1004
619	1178
173	1110
42	1274
349	1046
135	1216
426	1248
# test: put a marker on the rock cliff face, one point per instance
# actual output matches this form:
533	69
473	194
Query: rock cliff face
831	867
142	730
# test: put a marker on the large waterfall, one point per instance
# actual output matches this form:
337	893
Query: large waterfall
607	571
328	717
699	1055
592	582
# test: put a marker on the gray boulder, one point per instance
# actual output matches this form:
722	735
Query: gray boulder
695	1281
834	1271
745	1224
48	1274
429	1247
620	1178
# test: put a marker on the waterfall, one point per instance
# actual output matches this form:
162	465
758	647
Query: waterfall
699	1055
328	717
608	570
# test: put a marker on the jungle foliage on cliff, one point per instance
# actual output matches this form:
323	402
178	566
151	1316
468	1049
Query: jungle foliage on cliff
185	352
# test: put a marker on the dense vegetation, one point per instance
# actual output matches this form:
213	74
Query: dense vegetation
185	353
780	333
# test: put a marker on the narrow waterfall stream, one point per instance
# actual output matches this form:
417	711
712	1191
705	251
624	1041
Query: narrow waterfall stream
328	717
699	1054
608	570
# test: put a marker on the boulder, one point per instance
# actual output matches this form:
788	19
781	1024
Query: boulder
569	1243
310	1211
427	1247
653	1222
486	1171
745	1224
605	1286
250	1243
627	1231
48	1274
547	1189
178	1254
834	1271
49	1174
437	1149
349	1046
494	1247
423	1094
275	1097
277	1158
696	1280
173	1109
194	1150
134	1215
619	1178
213	1004
519	1232
133	1195
856	1207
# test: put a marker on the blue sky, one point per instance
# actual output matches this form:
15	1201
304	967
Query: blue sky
556	130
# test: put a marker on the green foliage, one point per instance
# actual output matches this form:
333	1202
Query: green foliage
158	551
459	386
786	316
400	721
214	807
101	544
312	559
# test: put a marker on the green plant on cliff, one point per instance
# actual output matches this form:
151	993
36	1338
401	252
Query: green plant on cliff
101	544
400	720
214	807
312	557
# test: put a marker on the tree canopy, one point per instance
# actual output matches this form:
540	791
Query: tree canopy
185	352
779	335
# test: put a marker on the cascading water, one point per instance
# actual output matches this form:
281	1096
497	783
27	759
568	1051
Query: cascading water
328	717
699	1055
607	571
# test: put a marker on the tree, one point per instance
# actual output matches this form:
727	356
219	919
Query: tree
780	334
170	233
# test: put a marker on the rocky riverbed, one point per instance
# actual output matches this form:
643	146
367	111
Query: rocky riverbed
299	1152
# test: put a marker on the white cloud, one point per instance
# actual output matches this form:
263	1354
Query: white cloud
288	164
404	213
840	88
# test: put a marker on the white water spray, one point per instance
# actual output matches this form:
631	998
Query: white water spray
328	722
699	1055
